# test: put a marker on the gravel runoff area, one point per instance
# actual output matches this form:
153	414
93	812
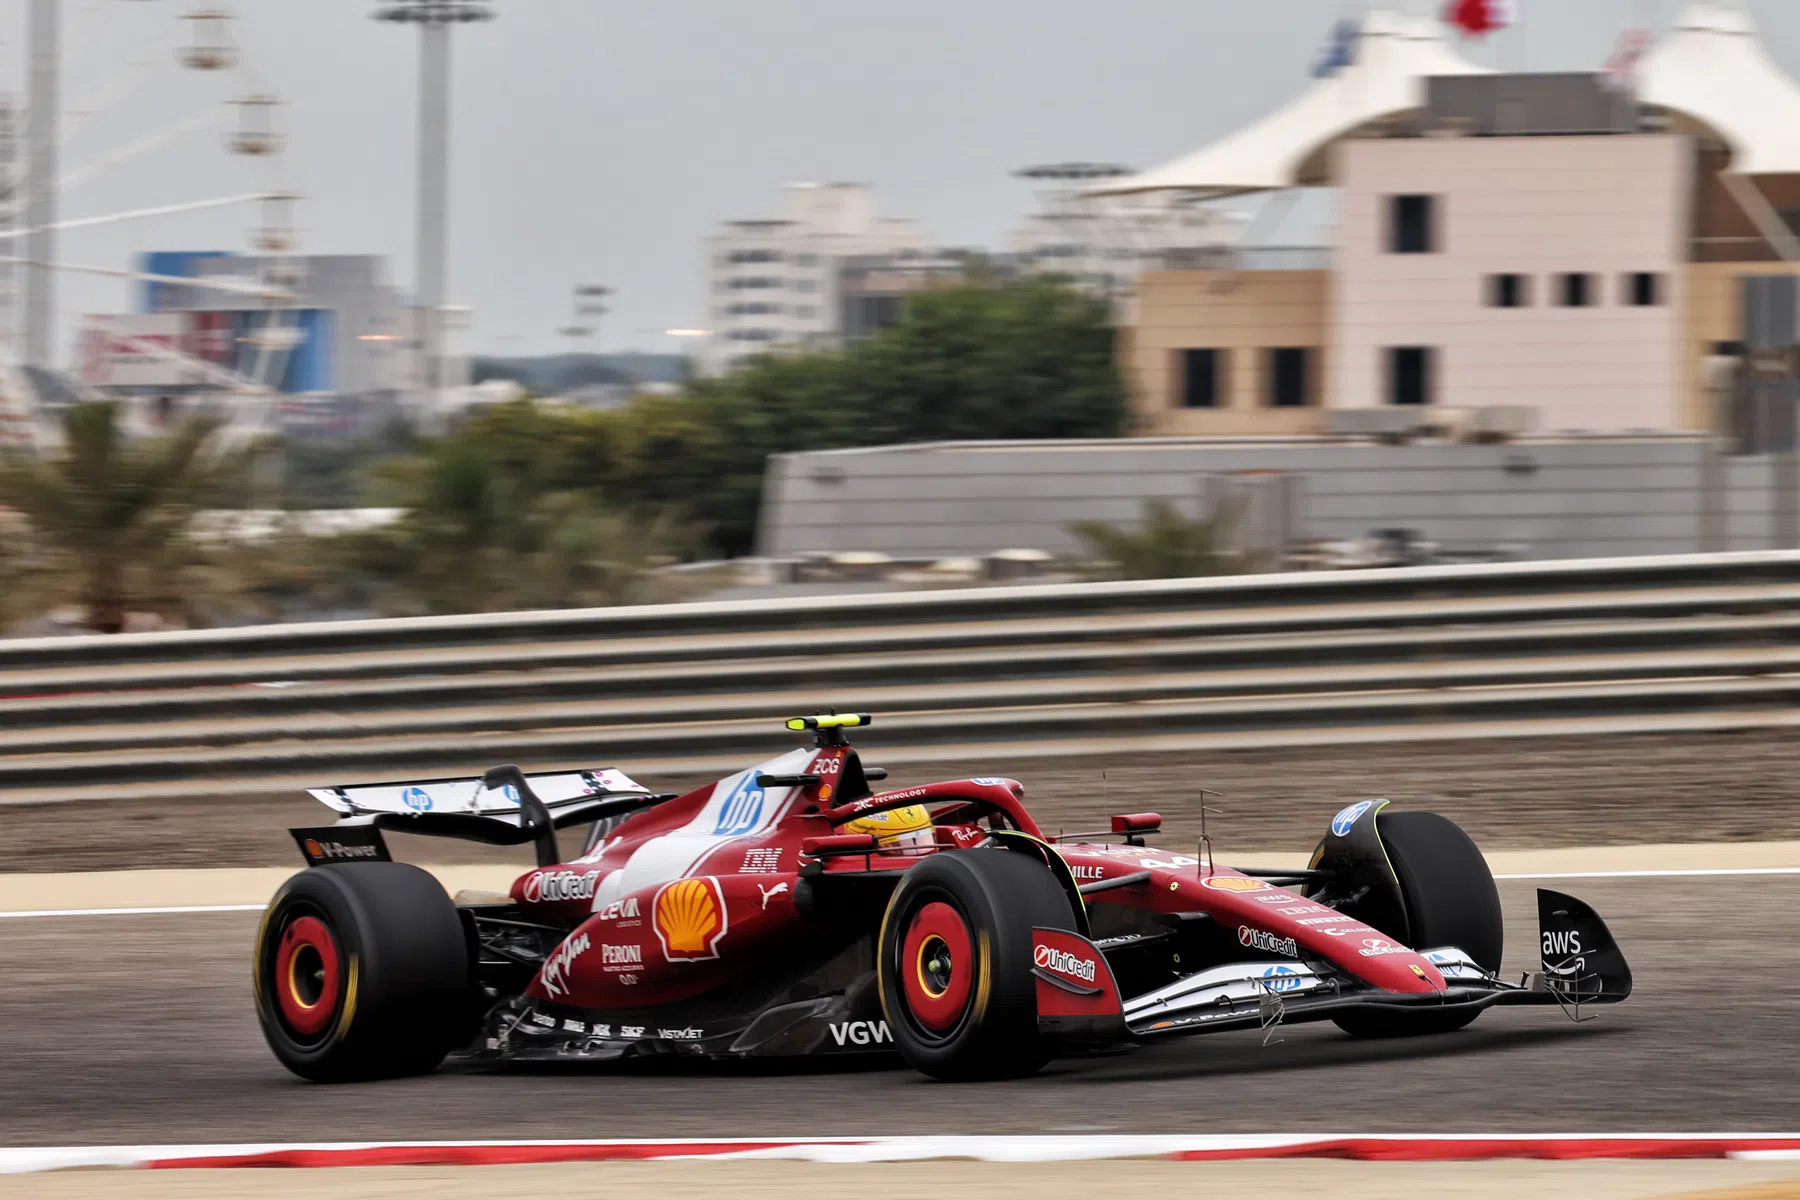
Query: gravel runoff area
1509	793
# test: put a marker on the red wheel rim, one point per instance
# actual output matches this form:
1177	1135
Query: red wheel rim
307	966
937	966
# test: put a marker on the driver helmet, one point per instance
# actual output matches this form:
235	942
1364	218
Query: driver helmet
902	830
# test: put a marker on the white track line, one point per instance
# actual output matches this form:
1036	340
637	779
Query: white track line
179	909
1001	1148
1671	873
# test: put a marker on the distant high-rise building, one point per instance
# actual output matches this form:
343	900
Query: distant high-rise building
774	282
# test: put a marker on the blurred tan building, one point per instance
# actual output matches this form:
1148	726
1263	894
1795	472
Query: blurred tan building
1548	252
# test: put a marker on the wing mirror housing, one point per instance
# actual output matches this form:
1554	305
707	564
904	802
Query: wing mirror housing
1135	825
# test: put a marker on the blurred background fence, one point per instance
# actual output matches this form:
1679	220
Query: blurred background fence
1686	642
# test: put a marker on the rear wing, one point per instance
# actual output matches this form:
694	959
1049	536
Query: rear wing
505	807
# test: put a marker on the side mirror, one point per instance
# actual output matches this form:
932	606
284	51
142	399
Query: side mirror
1135	825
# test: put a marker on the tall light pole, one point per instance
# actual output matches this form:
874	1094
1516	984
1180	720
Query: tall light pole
434	18
40	181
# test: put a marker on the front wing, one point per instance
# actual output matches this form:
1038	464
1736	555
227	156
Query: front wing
1580	966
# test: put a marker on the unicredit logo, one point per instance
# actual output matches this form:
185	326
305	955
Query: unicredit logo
1052	959
560	885
1260	940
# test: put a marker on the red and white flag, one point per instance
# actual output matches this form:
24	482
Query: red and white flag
1620	68
1477	18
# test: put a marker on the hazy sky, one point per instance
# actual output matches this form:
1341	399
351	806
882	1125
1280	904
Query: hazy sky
600	140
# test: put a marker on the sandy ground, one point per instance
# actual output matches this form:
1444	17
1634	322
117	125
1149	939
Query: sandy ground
1698	1180
1510	794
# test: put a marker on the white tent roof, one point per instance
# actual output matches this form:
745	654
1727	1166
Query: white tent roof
1394	54
1712	70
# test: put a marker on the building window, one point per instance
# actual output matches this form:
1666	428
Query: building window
805	285
1410	224
1575	289
1508	291
806	312
1288	377
1643	289
1200	373
1409	375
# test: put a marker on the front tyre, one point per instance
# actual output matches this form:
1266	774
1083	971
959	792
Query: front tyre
362	971
1450	900
954	962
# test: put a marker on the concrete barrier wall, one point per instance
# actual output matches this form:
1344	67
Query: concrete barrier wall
1595	498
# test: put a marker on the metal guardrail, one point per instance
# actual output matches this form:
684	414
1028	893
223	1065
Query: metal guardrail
1702	641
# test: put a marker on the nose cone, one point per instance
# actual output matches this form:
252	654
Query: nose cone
1259	911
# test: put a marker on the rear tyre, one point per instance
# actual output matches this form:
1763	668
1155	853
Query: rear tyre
1450	900
362	971
954	963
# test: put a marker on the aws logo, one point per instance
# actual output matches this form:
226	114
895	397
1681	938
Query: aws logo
689	917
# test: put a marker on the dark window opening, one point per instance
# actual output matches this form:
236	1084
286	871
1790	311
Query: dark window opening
1508	291
1200	371
1643	289
1288	377
1577	289
1409	375
864	316
1409	224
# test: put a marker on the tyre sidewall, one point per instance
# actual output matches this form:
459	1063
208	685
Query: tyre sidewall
403	992
1002	895
1450	899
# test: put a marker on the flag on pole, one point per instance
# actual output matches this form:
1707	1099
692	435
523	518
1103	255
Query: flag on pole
1339	51
1620	68
1478	18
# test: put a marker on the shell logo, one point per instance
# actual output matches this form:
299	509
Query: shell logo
1233	883
689	917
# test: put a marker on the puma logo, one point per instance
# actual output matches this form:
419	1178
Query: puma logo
769	894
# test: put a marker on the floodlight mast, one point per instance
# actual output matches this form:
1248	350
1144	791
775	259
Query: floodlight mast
434	19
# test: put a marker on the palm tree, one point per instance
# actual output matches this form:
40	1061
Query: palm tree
105	522
1166	546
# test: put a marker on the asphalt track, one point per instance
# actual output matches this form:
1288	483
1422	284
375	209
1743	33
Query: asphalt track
139	1029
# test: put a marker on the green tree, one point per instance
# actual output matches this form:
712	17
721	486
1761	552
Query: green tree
1025	359
984	360
481	534
334	474
107	522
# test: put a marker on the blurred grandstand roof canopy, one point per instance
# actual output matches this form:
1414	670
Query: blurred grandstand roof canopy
1394	55
1710	72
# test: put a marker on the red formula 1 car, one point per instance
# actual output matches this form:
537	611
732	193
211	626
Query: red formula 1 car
789	910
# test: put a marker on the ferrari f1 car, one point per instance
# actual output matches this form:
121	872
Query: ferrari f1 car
790	910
